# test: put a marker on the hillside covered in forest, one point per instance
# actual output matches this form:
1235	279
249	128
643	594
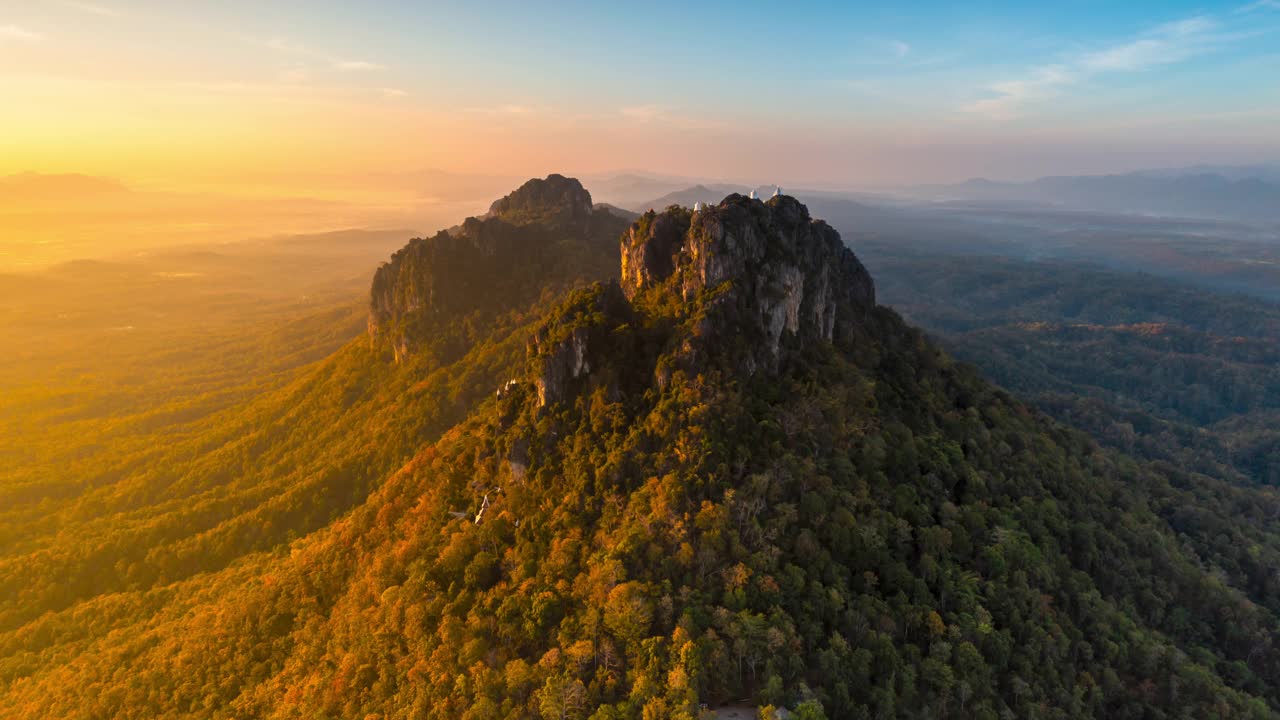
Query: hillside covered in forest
585	468
1160	369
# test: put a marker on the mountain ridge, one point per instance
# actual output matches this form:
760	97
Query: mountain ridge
705	292
714	471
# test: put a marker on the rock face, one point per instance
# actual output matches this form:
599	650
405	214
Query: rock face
563	362
651	248
738	285
746	279
544	235
436	277
555	201
761	270
579	339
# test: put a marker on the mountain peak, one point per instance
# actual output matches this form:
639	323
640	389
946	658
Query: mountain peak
545	234
761	270
741	287
746	278
554	200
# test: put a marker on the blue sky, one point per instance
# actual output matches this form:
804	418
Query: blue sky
837	93
721	58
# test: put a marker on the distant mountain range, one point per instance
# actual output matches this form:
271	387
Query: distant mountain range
690	195
1237	193
1266	173
631	189
640	192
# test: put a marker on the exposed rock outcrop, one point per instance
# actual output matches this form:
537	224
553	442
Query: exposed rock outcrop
760	270
544	235
651	248
748	279
582	337
737	284
555	201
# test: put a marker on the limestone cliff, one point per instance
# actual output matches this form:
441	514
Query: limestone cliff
589	333
738	285
761	270
749	278
544	235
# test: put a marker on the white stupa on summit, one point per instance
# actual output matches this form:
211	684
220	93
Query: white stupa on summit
777	191
753	195
697	207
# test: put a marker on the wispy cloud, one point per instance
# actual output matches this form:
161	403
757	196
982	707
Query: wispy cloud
1162	45
643	113
511	109
393	93
91	8
356	65
285	45
1259	5
288	46
659	115
1011	95
882	52
18	33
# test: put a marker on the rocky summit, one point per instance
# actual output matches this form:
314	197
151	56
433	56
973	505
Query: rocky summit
555	200
733	284
545	234
765	270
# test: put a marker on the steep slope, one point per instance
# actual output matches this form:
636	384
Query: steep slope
729	477
152	500
539	239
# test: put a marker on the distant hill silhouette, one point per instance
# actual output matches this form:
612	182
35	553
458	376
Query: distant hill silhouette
689	196
1213	192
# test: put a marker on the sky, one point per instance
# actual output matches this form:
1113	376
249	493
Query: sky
387	102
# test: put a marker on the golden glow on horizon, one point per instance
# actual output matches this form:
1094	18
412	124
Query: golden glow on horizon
215	123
